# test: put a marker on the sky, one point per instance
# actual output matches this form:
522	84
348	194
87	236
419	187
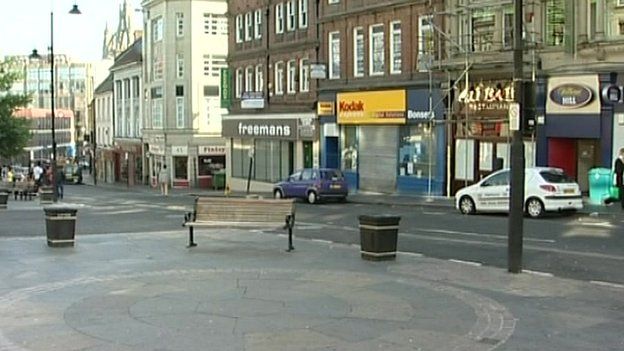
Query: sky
25	25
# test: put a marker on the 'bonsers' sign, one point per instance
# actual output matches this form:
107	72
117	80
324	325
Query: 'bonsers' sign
571	95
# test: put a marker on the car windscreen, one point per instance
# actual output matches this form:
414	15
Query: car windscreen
332	174
553	176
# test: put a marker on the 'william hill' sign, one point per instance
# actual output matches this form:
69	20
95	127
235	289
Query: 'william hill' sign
571	95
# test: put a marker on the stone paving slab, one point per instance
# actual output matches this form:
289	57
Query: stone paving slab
240	290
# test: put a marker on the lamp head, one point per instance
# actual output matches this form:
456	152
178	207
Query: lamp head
75	10
34	55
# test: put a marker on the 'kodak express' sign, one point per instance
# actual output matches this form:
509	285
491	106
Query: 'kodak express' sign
372	107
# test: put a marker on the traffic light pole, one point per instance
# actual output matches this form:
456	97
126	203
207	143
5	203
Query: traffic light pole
516	204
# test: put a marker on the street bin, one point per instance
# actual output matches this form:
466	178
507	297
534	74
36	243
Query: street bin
60	225
218	180
378	237
4	198
600	184
46	194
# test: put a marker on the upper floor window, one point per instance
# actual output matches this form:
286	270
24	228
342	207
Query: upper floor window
377	50
303	13
304	75
248	26
333	1
291	76
180	66
179	24
217	24
483	24
249	78
239	29
239	82
279	18
279	78
157	29
555	22
334	55
425	42
395	47
358	52
259	78
290	15
508	28
258	24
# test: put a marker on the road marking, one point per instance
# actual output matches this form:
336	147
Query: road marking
470	263
611	285
434	213
541	274
322	241
493	236
413	254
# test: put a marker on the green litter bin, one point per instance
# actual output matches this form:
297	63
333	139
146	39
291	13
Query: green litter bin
600	184
218	180
60	225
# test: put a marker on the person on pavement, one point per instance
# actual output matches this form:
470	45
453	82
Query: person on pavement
163	179
60	181
619	174
37	172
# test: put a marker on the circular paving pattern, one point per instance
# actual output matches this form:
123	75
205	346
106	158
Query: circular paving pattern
252	309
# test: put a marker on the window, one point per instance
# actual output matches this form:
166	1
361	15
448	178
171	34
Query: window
239	82
555	22
304	75
248	26
259	78
279	18
290	15
508	28
417	151
157	115
179	66
239	28
334	55
157	29
483	24
349	148
258	24
425	42
395	47
291	76
180	24
213	65
303	13
180	112
271	162
249	75
333	1
358	52
376	54
217	24
279	78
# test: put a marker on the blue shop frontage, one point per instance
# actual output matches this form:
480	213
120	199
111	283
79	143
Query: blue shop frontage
387	141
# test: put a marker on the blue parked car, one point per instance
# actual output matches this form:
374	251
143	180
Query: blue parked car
313	184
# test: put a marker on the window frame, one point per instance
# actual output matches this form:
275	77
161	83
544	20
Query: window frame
291	77
279	18
371	49
258	24
334	57
291	17
259	78
239	83
180	118
304	75
279	78
303	13
179	24
358	39
393	56
424	25
249	27
179	66
249	79
239	28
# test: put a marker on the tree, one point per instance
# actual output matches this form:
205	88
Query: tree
14	131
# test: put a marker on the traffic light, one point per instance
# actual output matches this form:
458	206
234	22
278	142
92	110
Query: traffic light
529	97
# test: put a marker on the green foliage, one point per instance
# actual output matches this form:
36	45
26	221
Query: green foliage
14	132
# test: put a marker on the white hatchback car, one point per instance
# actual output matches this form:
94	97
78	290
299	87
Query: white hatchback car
545	189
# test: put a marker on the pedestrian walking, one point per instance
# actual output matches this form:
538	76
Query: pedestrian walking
37	172
619	174
163	179
60	182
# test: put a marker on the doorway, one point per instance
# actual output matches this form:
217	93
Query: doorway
308	154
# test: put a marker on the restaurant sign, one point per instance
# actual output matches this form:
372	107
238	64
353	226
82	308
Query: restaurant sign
484	96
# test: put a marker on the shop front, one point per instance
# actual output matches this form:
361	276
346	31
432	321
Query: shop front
576	133
481	136
156	155
210	161
128	162
265	149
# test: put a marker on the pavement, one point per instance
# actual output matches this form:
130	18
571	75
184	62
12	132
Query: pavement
240	290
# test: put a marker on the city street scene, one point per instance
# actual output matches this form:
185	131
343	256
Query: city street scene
312	175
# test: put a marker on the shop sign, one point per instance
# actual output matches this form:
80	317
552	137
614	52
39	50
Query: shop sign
318	71
325	108
226	88
179	150
260	128
374	107
576	95
307	127
571	95
487	96
252	100
211	150
419	115
156	149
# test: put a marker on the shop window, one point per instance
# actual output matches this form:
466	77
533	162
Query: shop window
209	165
417	151
272	159
180	170
349	149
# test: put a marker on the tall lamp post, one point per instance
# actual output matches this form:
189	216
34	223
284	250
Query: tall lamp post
35	55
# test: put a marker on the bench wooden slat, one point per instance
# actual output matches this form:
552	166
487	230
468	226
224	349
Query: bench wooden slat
242	212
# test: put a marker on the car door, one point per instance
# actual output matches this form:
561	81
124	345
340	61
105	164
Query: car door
494	192
289	187
304	183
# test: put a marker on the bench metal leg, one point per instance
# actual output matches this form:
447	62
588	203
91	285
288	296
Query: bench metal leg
191	242
290	244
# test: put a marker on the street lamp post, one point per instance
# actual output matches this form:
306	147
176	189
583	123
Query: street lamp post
35	55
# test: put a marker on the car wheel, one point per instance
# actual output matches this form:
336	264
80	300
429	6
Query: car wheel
343	199
467	205
312	197
277	194
534	208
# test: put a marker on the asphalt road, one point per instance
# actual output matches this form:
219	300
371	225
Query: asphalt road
573	246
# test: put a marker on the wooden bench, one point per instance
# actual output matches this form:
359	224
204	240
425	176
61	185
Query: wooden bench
25	190
230	212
